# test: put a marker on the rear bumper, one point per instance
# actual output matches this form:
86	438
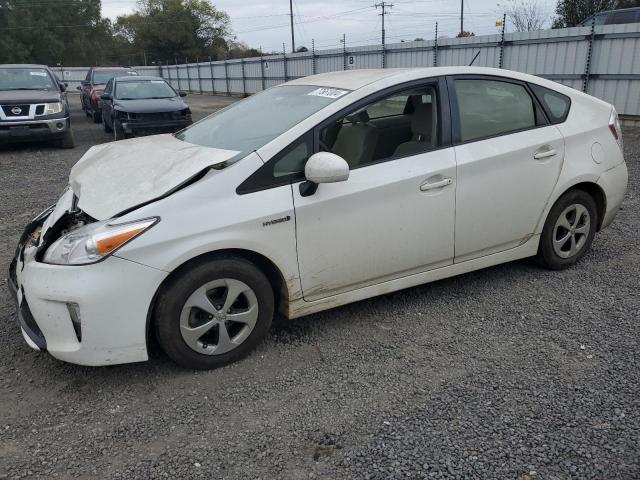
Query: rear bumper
34	129
614	184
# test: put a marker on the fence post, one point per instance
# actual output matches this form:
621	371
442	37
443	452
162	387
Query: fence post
504	26
284	63
186	65
435	48
313	56
344	51
213	82
244	80
168	71
178	75
199	75
587	66
262	79
226	78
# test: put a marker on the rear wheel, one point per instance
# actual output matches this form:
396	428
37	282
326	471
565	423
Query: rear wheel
568	231
215	313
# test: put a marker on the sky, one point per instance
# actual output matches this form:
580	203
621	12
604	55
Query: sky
265	24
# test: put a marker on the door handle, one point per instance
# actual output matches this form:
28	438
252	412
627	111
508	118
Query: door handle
542	154
433	185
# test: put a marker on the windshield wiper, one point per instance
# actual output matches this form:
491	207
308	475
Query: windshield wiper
21	88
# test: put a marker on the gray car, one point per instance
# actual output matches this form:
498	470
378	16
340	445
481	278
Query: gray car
143	105
33	106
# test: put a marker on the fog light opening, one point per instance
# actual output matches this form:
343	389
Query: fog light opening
60	126
74	313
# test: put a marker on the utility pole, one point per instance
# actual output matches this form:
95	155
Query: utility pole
461	17
383	5
293	38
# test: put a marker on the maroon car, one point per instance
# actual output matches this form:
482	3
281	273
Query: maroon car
93	85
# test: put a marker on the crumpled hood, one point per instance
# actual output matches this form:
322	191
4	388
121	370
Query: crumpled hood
117	176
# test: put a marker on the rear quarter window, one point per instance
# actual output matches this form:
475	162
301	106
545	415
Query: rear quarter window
556	105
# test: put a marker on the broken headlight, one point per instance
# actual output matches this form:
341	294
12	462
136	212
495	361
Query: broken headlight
95	241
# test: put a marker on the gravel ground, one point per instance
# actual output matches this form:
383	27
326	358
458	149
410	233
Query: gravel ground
510	372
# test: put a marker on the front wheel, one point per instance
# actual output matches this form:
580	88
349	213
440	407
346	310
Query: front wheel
214	313
105	125
67	140
568	231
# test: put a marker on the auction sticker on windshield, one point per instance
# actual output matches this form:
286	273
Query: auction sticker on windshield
328	92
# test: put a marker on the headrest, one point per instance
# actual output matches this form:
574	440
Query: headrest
359	117
422	118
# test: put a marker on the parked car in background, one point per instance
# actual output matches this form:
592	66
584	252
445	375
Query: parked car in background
93	85
142	106
613	17
323	191
33	105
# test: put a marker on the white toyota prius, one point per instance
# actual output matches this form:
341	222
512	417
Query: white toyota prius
323	191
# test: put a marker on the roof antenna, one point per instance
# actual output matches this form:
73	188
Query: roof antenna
474	58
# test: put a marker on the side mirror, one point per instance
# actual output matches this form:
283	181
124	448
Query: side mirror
182	94
323	167
79	88
63	86
106	96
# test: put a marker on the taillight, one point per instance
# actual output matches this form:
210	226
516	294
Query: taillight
614	126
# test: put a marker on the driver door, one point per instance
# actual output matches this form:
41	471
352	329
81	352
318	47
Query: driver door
395	214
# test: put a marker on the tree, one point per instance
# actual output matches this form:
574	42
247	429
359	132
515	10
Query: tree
302	49
55	32
175	29
525	15
465	34
570	13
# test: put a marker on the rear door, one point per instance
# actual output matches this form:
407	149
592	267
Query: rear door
509	159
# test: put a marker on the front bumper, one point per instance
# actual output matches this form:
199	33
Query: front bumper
158	126
614	184
112	300
17	131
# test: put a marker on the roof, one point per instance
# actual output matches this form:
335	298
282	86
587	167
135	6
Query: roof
355	79
22	65
136	78
108	69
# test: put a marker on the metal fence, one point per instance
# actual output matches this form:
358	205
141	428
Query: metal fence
603	61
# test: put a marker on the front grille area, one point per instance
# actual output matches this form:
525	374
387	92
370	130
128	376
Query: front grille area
15	110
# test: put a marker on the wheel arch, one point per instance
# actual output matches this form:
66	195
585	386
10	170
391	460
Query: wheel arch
266	265
598	195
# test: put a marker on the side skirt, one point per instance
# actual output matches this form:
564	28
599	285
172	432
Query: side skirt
299	308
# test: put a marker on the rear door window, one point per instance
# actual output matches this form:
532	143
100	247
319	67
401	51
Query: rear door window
488	108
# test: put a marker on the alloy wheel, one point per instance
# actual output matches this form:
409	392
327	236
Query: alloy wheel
571	230
219	316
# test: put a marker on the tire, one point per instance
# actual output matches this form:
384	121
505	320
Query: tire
67	141
105	126
96	116
568	231
192	337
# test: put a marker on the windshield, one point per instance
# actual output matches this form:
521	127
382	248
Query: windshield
101	78
143	89
251	123
26	79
